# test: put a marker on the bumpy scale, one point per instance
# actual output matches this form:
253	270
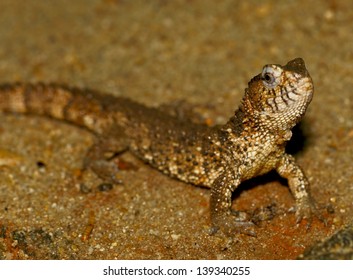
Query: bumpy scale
251	143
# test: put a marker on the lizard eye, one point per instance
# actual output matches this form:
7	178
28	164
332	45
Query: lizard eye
271	76
268	77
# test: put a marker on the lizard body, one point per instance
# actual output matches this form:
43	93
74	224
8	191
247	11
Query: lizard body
251	143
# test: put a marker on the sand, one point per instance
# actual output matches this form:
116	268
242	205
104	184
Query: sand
157	52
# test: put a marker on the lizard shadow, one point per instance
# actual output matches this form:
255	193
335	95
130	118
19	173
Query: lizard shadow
300	139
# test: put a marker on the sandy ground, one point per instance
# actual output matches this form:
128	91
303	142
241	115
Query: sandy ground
158	52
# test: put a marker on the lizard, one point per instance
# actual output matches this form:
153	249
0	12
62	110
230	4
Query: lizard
251	143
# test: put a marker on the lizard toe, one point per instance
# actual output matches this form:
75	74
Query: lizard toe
308	211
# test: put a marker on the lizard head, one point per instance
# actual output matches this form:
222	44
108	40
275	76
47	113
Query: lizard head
280	95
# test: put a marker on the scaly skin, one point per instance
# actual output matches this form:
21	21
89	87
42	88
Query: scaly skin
251	143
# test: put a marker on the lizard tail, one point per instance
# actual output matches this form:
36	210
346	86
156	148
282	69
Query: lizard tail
80	107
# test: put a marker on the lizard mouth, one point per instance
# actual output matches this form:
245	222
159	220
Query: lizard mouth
291	95
303	90
287	86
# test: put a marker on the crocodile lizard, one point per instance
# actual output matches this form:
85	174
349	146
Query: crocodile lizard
251	143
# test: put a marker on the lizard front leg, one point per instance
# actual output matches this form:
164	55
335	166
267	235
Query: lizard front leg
222	216
299	186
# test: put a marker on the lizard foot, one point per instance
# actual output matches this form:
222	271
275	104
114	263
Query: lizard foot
307	211
105	170
231	224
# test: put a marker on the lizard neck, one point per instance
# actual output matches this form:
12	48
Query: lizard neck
247	122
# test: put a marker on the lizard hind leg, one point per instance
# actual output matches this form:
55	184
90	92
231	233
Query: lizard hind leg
99	156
